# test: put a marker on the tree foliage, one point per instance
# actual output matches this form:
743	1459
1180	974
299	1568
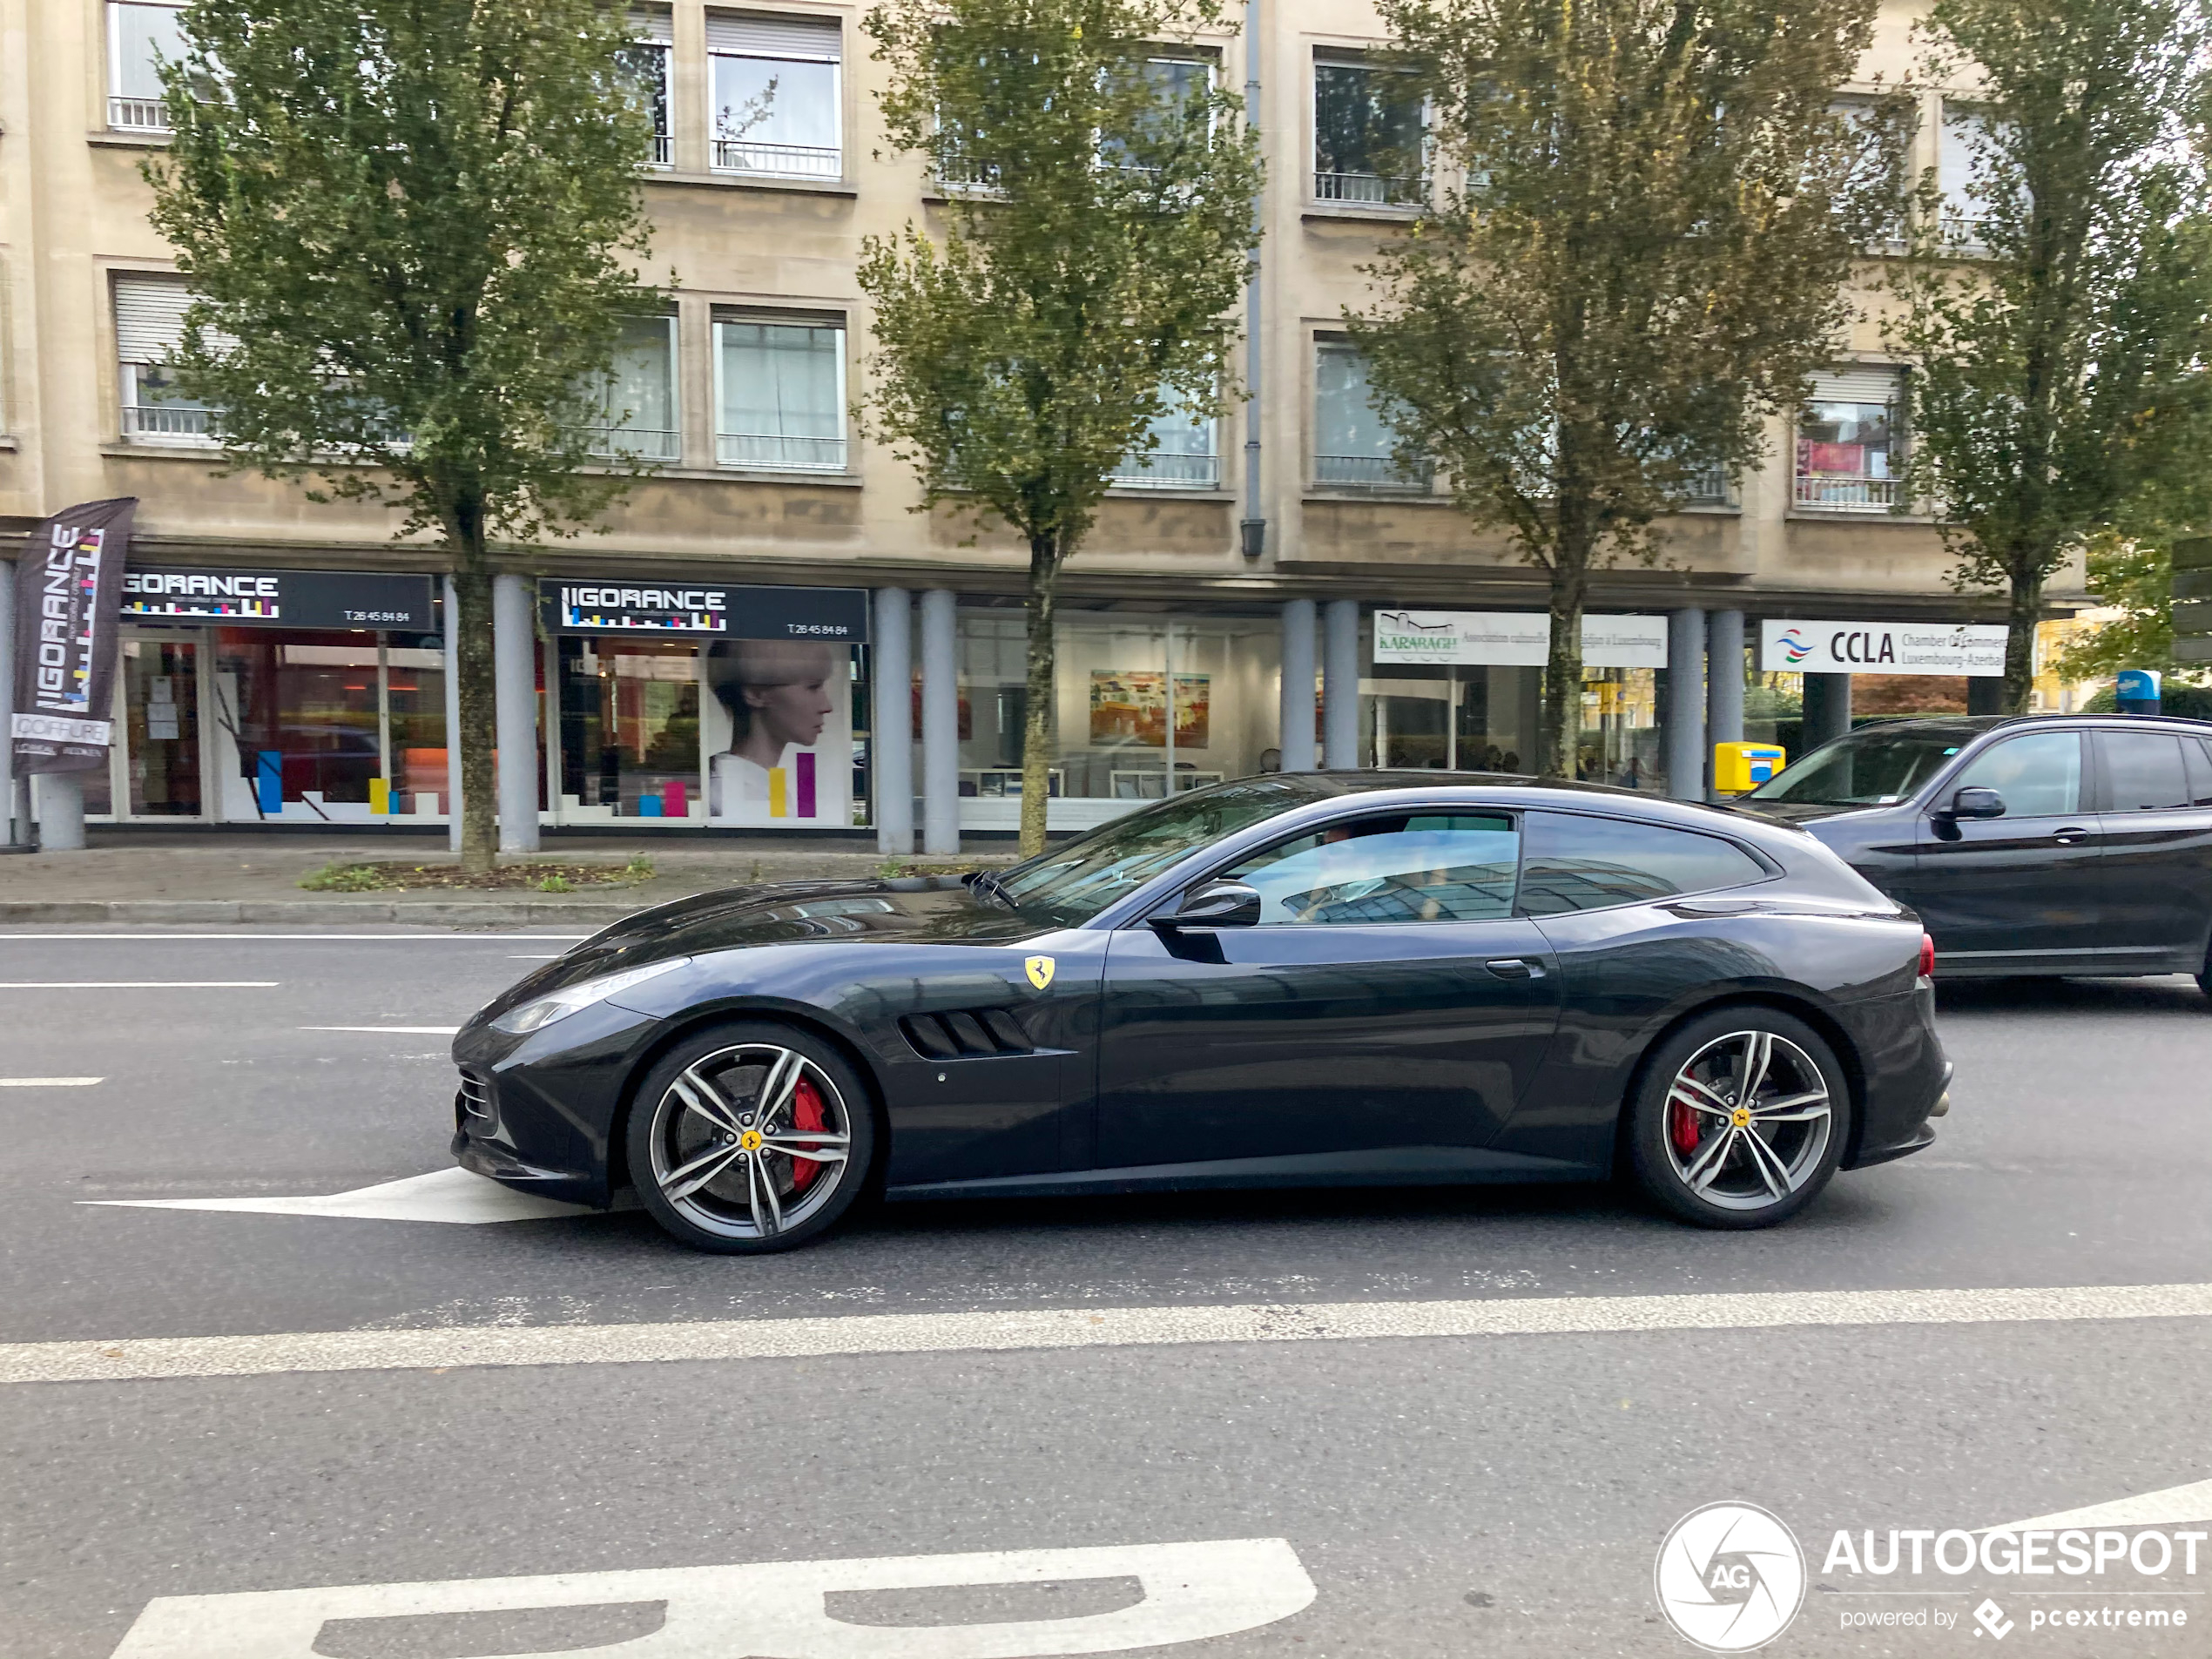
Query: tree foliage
1078	282
411	227
2133	575
1650	211
2058	324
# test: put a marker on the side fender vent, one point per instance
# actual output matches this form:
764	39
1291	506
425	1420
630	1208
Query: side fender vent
966	1034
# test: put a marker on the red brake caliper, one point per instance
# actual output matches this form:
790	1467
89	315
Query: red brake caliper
805	1114
1681	1125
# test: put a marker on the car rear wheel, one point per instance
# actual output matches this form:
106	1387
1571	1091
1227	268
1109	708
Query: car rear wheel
1740	1119
752	1137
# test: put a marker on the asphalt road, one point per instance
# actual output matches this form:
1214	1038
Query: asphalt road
1439	1494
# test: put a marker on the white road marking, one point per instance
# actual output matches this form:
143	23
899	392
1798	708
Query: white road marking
50	1082
1012	1329
1192	1592
2176	1506
454	1195
483	938
533	959
404	1030
136	984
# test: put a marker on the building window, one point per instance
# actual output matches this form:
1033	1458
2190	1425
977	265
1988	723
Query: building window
1963	157
141	37
1184	457
1177	83
780	393
149	330
1354	447
1367	135
775	106
644	70
638	400
1850	449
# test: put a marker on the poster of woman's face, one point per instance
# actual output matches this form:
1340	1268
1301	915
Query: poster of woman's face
789	755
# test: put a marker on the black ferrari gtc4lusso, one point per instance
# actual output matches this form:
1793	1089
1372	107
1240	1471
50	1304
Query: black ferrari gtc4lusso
1326	979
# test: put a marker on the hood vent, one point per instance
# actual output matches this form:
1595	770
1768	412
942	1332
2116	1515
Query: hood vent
966	1034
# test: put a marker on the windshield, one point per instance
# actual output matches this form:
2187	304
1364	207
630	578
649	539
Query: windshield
1872	767
1073	883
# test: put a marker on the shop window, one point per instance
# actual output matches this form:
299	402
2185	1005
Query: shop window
644	71
1848	452
142	36
1355	446
775	95
637	402
780	393
1367	134
149	332
328	727
630	730
1183	456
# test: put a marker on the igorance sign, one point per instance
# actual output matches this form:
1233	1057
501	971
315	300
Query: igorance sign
68	582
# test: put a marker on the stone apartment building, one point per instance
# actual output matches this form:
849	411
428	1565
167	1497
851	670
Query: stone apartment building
285	663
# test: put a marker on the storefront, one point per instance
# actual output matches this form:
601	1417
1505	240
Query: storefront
679	703
251	696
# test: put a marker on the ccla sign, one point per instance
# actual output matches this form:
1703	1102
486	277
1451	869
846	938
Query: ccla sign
1882	648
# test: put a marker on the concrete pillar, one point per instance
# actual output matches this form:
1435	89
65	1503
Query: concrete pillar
58	800
1341	685
1827	711
1685	716
1724	678
940	722
1986	694
891	741
453	718
514	643
1297	727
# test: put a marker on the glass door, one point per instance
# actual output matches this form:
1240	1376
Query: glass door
161	711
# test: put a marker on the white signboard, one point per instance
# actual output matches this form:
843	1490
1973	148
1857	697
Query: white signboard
1882	648
1514	638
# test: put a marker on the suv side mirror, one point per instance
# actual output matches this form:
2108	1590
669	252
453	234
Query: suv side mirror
1217	904
1973	801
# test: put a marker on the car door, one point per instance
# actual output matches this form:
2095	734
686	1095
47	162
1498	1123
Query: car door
2019	892
2155	837
1383	1015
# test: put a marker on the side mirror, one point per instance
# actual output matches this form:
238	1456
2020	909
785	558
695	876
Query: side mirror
1973	801
1217	904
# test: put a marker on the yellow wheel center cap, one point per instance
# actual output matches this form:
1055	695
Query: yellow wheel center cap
750	1140
1741	1117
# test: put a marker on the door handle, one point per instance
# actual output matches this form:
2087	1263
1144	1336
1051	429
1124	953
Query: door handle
2068	837
1515	967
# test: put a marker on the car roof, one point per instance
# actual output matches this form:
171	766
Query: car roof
1514	789
1974	725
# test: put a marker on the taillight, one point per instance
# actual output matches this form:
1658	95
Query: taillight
1927	957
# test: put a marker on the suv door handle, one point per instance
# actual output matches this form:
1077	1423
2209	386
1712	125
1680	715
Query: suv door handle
2069	836
1515	967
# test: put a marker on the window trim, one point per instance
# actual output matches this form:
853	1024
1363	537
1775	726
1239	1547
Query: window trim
112	9
1421	185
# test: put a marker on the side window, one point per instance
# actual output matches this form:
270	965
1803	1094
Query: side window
2198	754
1576	863
2142	771
1422	867
2039	776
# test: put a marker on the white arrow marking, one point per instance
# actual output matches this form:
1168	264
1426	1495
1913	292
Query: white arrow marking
443	1195
138	985
402	1030
1192	1592
50	1082
2173	1506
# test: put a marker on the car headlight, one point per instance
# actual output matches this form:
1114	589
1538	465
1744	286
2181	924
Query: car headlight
541	1011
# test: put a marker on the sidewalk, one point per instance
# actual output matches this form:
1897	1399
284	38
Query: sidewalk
154	876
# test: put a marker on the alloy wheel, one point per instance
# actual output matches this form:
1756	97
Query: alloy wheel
1749	1119
751	1141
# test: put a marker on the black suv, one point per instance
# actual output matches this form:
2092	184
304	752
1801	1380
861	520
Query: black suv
2044	844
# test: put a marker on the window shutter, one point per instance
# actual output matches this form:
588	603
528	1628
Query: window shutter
150	319
785	318
1856	386
655	28
751	34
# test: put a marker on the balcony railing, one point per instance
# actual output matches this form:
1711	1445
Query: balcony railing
1369	188
786	160
173	421
781	454
1708	487
661	151
1161	471
1376	473
138	114
1836	493
644	443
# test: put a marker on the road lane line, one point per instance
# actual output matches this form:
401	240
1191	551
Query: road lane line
1006	1331
50	1082
2174	1507
483	938
137	984
404	1030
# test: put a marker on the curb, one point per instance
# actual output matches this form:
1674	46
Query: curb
435	912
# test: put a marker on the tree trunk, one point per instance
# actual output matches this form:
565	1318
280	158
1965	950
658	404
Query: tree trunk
1045	556
2025	609
478	693
1558	728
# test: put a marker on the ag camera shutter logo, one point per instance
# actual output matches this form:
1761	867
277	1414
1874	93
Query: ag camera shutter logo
1730	1577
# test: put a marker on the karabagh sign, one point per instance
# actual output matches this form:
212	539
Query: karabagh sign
1514	638
1882	648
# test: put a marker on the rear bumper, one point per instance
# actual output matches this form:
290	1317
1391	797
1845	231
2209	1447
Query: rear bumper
1904	1077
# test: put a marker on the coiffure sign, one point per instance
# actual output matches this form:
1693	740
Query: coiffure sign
1882	648
279	598
838	615
1514	638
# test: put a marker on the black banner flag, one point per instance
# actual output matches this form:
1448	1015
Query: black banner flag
69	582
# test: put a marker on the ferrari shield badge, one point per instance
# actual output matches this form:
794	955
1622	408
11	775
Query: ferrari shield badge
1039	970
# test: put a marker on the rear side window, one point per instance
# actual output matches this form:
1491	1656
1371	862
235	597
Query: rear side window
2198	753
1422	867
1570	862
2142	771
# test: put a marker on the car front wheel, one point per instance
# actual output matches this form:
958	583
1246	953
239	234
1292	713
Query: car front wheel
1740	1119
751	1138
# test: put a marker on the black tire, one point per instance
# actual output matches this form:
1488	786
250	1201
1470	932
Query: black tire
1672	1147
709	1191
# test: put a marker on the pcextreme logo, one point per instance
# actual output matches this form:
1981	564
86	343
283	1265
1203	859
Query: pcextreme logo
1730	1577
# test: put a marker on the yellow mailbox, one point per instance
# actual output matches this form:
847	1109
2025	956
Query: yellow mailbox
1739	766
